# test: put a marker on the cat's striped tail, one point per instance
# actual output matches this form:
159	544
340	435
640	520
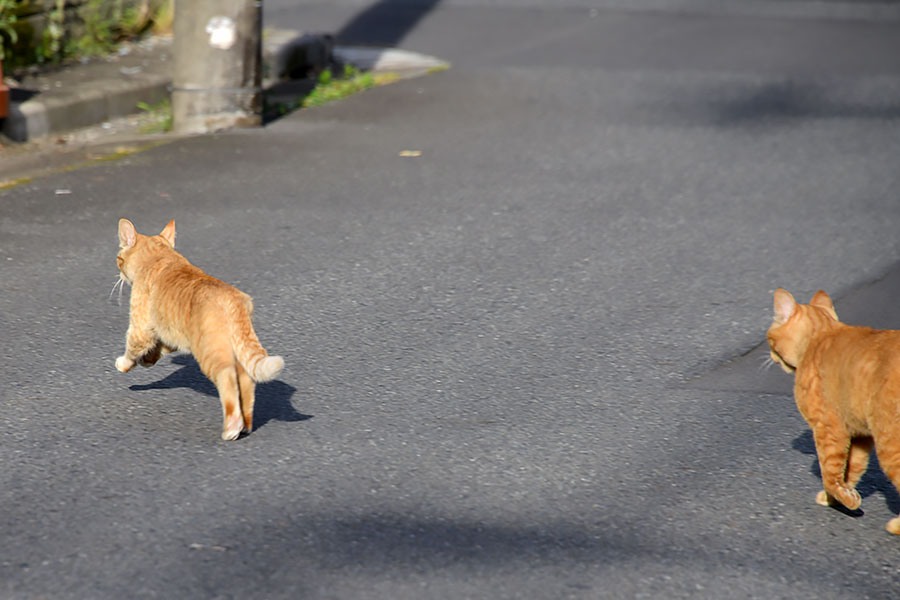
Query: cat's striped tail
249	352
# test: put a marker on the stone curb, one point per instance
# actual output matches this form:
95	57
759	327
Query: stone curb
286	54
388	60
100	101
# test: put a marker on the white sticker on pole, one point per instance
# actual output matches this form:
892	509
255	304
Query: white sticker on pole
222	32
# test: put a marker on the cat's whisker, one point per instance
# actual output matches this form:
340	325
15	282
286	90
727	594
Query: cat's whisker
120	283
765	362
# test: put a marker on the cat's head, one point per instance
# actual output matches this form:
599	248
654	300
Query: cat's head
795	324
135	249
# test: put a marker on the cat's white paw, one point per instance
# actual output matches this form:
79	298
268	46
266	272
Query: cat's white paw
893	526
231	434
233	428
823	499
124	364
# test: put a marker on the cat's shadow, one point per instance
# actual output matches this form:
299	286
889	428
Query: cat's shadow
874	480
273	398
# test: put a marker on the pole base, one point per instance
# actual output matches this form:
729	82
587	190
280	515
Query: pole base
214	123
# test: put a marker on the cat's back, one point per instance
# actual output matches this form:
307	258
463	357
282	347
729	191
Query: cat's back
172	274
190	305
180	288
882	346
860	358
183	279
863	341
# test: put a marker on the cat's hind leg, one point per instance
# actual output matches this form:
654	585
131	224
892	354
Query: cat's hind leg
154	354
833	449
857	464
227	383
248	391
887	446
217	362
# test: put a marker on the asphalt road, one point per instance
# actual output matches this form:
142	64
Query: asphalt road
507	358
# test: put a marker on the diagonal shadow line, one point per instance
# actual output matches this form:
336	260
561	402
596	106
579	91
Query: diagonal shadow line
385	23
273	398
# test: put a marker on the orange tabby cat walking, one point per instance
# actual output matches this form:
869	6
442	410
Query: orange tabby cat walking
847	387
176	306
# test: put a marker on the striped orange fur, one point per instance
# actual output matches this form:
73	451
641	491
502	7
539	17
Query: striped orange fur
847	387
176	306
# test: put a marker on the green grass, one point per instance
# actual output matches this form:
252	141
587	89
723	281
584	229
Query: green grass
8	184
331	88
157	118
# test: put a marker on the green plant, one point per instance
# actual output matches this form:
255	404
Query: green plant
163	17
157	118
75	29
135	19
7	26
51	38
330	88
100	31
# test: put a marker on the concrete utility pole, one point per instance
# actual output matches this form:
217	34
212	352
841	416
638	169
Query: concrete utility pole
217	75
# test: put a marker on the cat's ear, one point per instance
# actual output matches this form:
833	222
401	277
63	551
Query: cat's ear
127	234
168	233
823	300
785	305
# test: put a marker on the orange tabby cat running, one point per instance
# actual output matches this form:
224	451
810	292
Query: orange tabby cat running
176	306
847	387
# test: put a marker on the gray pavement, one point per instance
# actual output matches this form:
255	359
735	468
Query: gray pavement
519	365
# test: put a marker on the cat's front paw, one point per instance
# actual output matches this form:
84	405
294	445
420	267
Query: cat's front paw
124	364
824	499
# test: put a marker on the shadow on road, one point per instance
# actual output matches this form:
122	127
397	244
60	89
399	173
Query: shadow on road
334	550
384	23
788	99
273	398
772	104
